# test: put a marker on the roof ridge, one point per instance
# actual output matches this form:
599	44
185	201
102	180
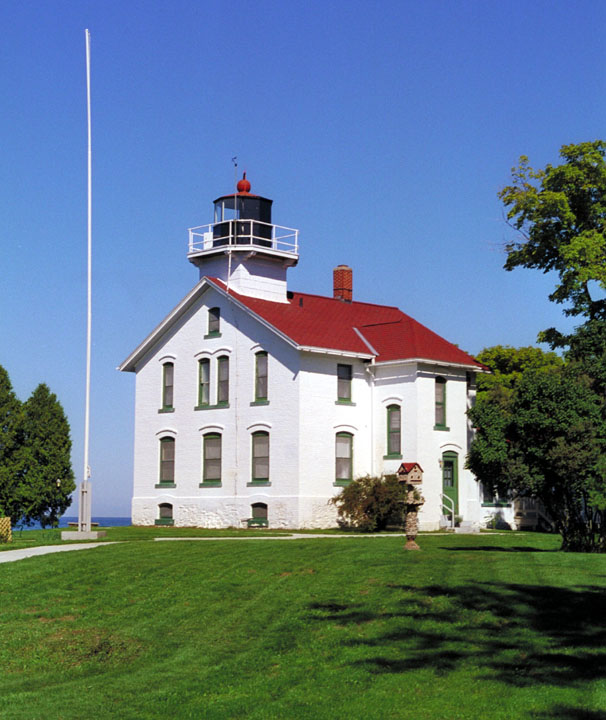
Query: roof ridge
384	322
353	302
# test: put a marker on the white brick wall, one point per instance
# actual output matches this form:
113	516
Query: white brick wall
302	418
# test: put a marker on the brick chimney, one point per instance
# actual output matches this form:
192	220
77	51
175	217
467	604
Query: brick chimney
342	283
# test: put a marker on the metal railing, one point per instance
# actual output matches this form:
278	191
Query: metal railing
448	503
243	233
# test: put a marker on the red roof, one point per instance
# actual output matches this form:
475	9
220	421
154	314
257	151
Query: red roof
407	467
331	324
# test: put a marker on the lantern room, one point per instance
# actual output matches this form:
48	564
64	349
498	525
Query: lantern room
243	247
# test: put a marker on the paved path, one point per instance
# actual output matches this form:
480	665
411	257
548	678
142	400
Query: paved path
21	554
293	536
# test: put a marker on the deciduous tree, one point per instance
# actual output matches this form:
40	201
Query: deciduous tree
560	214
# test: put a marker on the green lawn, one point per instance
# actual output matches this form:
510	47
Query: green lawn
52	536
495	626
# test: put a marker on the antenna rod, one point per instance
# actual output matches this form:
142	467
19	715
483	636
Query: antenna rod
84	508
234	227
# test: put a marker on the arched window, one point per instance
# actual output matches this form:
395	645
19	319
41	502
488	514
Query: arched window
211	469
259	515
203	382
223	380
165	514
440	403
167	461
394	431
260	456
168	376
343	458
260	376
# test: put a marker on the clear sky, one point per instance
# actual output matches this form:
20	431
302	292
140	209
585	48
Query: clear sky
382	131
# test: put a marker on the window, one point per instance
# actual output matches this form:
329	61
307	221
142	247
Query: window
440	403
394	420
211	472
261	376
223	380
260	457
168	374
259	515
488	493
204	382
344	457
344	382
167	461
165	514
259	510
214	322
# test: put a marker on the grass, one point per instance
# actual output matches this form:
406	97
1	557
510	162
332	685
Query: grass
498	626
52	536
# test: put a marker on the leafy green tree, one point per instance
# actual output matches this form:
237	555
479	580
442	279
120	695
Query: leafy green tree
541	430
508	363
541	433
371	503
10	421
492	411
560	213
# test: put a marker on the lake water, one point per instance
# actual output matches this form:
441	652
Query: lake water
103	522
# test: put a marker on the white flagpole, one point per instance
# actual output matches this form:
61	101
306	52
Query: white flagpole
84	509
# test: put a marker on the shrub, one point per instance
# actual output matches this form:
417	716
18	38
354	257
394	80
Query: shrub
371	503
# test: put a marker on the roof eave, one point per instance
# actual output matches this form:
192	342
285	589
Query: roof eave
430	361
336	351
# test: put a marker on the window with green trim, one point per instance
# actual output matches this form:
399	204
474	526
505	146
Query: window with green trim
167	460
204	382
394	429
214	321
168	376
260	456
344	457
165	514
212	458
344	374
440	402
261	376
222	380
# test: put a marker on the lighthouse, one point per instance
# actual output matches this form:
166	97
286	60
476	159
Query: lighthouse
243	248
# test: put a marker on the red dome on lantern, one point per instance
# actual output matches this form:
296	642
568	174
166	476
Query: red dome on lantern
243	185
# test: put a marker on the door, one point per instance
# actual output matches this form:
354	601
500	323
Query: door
450	480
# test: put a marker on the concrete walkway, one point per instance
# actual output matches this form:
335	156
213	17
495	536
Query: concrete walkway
22	553
293	536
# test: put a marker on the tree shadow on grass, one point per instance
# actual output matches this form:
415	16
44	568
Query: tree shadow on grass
521	635
565	712
497	548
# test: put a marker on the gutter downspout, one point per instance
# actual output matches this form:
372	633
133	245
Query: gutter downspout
371	369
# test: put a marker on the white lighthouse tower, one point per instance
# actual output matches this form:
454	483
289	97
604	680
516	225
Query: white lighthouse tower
243	248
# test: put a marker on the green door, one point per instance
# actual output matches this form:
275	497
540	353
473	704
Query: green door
450	480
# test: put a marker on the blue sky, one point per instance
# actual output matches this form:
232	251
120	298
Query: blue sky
382	131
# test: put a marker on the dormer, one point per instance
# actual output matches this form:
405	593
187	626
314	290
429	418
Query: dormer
243	248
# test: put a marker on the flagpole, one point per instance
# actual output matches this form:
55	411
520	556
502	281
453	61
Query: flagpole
84	508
